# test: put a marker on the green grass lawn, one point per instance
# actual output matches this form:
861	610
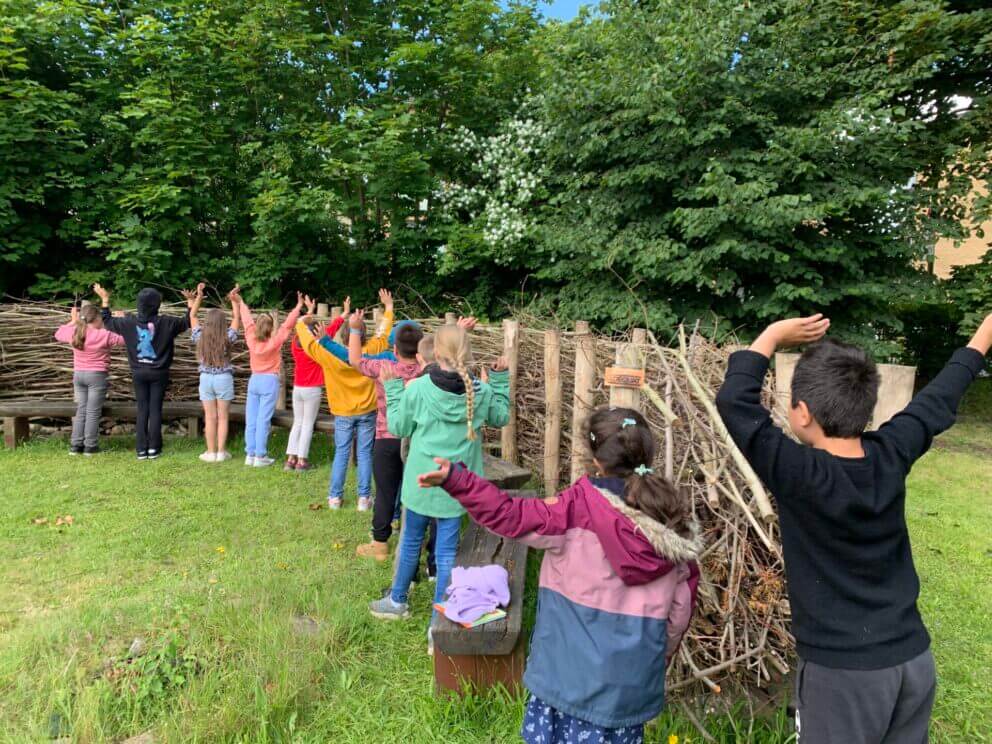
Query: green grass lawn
253	609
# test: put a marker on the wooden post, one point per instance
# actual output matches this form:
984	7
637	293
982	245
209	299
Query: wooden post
451	318
377	313
552	410
192	427
336	311
629	355
322	309
16	429
585	380
511	349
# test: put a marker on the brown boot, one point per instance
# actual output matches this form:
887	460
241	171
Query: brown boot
373	549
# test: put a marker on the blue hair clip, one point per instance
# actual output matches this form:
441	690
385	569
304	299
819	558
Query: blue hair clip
628	422
643	470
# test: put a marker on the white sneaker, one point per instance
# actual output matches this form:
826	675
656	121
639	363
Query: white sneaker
222	456
249	460
364	503
209	457
333	503
430	642
263	462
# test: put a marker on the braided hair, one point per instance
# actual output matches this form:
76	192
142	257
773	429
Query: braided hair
451	346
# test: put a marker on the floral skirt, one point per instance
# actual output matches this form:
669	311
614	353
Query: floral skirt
545	725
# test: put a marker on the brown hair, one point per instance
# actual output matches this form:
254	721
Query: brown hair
214	348
87	314
264	327
451	346
407	340
624	446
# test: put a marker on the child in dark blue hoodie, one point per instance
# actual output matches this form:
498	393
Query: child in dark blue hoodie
149	339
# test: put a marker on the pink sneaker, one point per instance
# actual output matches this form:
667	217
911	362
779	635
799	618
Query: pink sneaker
334	503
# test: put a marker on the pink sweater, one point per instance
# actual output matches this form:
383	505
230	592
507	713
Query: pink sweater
95	354
266	356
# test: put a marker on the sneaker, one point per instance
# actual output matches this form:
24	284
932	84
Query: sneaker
374	549
209	457
333	503
249	460
303	466
75	450
387	609
364	503
430	642
263	461
222	456
142	455
90	451
153	454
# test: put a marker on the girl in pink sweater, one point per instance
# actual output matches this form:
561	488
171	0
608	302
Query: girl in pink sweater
91	344
265	355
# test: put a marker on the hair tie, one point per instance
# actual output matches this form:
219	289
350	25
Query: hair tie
592	436
628	422
643	470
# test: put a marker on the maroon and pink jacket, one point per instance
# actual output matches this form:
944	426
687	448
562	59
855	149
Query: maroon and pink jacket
616	594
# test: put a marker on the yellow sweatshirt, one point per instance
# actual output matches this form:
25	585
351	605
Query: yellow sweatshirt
349	392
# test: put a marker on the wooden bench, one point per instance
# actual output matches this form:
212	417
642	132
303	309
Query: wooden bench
494	653
16	413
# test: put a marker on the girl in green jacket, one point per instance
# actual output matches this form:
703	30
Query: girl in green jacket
442	412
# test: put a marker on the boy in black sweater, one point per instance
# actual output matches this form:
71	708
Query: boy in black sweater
866	674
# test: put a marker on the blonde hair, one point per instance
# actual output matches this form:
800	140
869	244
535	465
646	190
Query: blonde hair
452	348
263	327
87	314
426	348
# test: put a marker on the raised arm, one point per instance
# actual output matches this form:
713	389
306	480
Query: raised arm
380	342
497	413
934	409
312	347
770	452
234	297
110	322
355	323
287	325
193	302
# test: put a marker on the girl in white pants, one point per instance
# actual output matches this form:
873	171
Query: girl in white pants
308	391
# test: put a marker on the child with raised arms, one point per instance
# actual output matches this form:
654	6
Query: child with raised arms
91	344
617	587
866	674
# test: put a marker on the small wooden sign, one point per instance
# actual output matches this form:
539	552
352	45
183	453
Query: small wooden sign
624	377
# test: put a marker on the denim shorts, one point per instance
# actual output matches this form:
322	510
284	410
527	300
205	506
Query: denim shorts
216	387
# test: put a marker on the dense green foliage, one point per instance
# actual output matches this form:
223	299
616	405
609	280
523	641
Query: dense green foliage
656	161
238	139
751	160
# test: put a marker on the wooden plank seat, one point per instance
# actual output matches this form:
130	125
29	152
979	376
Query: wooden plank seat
491	654
15	415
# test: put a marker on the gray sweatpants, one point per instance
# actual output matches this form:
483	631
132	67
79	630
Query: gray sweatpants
306	406
90	390
878	706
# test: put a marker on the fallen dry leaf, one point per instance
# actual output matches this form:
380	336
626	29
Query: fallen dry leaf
316	505
67	519
40	520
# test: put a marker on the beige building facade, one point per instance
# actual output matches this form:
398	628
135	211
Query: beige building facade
947	255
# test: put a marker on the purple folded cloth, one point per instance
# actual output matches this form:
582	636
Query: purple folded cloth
475	591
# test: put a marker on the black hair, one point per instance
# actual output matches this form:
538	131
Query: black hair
407	340
624	446
838	382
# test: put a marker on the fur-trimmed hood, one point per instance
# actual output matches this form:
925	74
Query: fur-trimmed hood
666	542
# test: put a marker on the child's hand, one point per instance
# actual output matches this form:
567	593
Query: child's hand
234	296
386	298
501	364
74	313
103	294
190	296
982	340
469	323
386	373
299	302
347	306
791	332
484	374
435	477
310	303
357	320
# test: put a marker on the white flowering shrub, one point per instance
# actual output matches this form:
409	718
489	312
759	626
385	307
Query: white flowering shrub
506	178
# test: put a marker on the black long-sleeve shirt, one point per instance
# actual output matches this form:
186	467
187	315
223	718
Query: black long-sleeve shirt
167	327
851	579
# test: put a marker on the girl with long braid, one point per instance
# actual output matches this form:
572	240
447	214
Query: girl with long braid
442	413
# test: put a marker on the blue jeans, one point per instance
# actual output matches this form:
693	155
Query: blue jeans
263	389
411	540
347	428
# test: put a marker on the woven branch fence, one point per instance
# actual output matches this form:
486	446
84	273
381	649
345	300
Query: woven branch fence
739	634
